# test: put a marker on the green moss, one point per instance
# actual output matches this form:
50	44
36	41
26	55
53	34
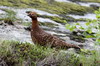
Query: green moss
54	7
26	23
48	24
63	8
1	19
81	19
91	1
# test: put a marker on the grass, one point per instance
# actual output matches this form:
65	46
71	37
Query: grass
54	7
14	53
90	59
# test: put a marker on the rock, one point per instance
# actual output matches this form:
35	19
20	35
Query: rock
2	63
77	36
1	23
94	6
75	0
28	28
9	22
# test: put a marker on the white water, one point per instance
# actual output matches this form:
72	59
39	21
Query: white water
2	12
88	4
21	13
86	16
63	0
60	26
13	33
29	9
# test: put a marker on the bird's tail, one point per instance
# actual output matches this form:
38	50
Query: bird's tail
66	45
75	46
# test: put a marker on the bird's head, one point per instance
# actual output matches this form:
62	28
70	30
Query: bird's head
32	15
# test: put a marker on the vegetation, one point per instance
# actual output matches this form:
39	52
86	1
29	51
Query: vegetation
13	53
48	24
51	7
16	53
90	58
62	20
55	18
93	27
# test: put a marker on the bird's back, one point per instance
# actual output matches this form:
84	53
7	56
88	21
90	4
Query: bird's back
41	37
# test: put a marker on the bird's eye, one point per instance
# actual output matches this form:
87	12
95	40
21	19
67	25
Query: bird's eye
32	14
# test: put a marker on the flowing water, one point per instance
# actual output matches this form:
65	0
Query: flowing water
86	16
63	0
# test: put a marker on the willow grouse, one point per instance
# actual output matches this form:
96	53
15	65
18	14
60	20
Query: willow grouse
39	36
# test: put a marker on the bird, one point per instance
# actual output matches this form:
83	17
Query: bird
41	37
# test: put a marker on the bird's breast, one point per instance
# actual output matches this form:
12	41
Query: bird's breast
36	37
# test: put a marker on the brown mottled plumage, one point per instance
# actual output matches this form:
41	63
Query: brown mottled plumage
39	36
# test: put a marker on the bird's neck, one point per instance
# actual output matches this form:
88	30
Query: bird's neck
35	23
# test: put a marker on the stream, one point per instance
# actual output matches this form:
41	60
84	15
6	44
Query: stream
17	32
